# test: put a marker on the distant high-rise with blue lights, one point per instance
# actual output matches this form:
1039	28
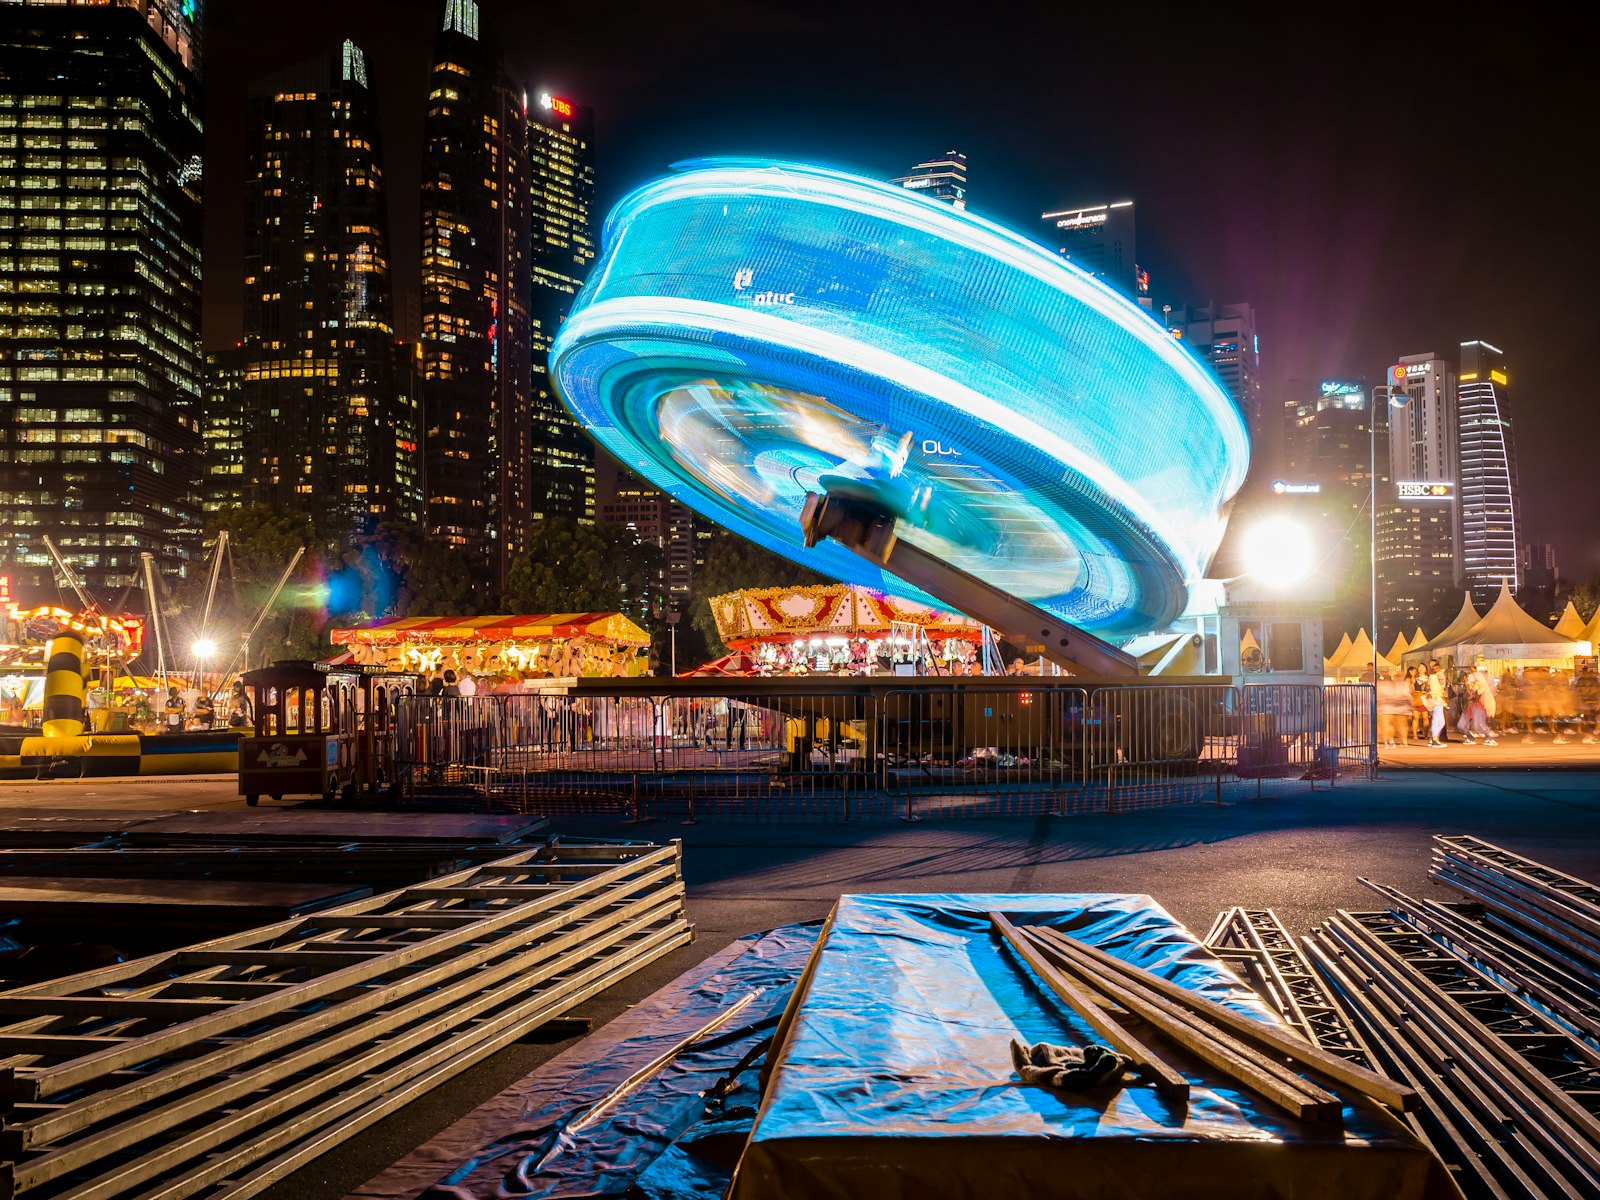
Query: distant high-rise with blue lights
1488	500
943	178
477	371
100	223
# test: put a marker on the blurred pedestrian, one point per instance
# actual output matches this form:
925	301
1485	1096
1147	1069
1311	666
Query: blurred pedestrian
1436	696
1394	709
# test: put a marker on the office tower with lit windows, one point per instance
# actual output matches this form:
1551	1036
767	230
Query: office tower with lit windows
562	247
223	428
943	178
1417	516
624	500
1099	239
1224	337
1487	484
476	362
323	431
100	359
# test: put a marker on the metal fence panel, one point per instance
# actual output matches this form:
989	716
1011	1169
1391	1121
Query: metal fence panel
937	749
949	751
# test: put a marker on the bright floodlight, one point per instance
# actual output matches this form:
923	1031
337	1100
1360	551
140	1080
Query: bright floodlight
204	648
1278	552
754	331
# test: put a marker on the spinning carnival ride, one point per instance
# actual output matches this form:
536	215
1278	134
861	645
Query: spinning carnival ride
804	355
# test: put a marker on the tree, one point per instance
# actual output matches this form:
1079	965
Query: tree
567	567
1586	597
397	571
732	563
261	541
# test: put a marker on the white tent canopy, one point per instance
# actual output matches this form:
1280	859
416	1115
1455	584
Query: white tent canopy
1357	660
1449	636
1506	632
1571	625
1397	651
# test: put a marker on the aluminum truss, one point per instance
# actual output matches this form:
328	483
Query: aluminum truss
1511	1093
218	1069
1257	942
1538	903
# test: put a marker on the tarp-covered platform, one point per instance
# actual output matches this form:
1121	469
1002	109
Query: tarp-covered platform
893	1076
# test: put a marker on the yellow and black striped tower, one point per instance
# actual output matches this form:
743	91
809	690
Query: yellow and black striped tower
64	686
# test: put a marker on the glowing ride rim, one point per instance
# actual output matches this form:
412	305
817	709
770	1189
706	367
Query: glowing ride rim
1029	463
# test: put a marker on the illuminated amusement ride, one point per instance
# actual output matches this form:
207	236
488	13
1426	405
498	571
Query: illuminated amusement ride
907	398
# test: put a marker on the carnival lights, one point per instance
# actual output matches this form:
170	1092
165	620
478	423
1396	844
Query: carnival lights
755	331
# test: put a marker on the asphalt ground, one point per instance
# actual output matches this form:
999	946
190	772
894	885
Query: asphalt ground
1300	854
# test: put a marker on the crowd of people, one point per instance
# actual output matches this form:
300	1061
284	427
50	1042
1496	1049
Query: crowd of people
1431	702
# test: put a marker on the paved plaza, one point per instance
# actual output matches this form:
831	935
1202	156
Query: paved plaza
1300	854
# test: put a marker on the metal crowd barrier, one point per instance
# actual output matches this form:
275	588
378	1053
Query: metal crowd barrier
911	752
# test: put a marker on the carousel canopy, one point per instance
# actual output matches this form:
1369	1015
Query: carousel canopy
783	614
610	627
1506	631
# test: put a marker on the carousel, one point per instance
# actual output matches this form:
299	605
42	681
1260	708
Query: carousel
111	642
842	630
500	653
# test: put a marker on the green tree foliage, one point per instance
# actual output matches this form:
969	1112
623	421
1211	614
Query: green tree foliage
261	541
731	563
398	571
1586	597
567	567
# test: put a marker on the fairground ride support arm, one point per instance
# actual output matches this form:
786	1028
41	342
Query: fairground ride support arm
869	532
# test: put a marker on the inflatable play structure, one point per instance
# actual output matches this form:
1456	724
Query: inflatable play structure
65	746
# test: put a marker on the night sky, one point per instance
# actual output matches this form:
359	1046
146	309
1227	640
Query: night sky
1375	184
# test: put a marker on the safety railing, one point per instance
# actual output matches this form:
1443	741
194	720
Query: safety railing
938	749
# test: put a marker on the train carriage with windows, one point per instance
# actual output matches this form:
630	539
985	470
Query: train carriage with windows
321	730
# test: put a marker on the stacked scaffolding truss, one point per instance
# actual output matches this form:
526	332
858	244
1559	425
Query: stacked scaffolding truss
217	1069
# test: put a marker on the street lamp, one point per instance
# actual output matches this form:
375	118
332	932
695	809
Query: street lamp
1372	536
1277	551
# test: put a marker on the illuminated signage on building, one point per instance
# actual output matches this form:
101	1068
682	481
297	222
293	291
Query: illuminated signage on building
1498	376
1339	387
1283	487
1402	374
562	108
1424	491
1081	220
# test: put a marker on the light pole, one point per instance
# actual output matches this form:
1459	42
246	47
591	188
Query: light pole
1372	537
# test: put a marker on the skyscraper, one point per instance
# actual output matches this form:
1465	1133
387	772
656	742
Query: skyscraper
1224	337
1099	239
622	499
1417	522
100	360
224	429
475	294
561	170
943	178
1487	490
323	432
